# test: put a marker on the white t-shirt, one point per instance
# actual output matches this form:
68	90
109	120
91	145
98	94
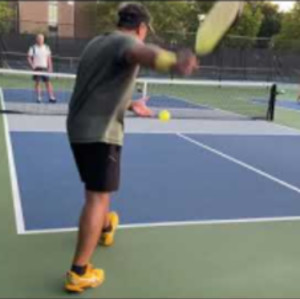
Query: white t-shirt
40	55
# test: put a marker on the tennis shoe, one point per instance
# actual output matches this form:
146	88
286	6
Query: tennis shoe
107	238
91	279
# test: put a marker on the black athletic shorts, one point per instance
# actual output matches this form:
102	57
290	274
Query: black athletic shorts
38	78
98	165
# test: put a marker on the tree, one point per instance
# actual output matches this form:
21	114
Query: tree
106	16
244	32
198	8
6	17
289	35
172	20
272	18
176	22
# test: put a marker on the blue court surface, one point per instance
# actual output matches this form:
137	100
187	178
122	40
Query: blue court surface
165	178
288	104
19	95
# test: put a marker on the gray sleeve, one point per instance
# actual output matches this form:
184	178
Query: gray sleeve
126	43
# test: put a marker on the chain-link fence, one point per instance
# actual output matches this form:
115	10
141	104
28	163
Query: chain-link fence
236	58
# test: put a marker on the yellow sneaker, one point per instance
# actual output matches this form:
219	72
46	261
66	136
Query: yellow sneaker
107	238
91	279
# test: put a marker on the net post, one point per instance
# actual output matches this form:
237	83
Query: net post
272	101
145	89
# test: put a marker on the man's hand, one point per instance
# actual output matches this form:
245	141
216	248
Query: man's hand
186	62
50	64
140	108
150	56
30	62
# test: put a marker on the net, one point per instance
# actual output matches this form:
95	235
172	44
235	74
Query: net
184	98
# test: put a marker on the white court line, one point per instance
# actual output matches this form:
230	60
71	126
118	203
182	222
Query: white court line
241	163
13	174
175	224
20	220
200	222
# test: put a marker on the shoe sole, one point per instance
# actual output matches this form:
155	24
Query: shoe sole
76	289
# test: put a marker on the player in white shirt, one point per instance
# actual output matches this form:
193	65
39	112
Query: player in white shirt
39	58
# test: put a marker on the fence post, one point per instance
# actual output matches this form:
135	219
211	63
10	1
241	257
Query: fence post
1	52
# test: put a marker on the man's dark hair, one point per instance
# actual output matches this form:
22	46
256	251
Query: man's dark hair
131	15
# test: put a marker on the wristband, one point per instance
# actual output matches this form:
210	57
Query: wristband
165	60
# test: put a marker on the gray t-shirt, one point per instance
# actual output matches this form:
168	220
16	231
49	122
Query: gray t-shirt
102	91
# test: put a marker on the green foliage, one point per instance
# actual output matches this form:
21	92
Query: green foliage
289	36
176	22
173	21
103	15
271	19
6	17
247	26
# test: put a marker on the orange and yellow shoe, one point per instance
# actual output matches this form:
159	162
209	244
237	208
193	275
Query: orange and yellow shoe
91	279
107	238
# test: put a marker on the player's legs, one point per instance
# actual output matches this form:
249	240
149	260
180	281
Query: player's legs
50	91
37	85
38	90
91	224
99	168
82	274
106	223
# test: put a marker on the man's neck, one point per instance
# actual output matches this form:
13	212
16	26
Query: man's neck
127	31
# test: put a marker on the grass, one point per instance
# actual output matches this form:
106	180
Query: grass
290	118
234	99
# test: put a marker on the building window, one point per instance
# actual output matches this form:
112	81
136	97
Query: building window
53	13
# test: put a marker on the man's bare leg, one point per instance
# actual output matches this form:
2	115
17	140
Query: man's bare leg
93	216
50	91
38	91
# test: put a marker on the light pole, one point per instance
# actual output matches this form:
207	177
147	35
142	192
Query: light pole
71	5
201	18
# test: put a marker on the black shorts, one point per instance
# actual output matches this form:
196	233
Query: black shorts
98	165
38	78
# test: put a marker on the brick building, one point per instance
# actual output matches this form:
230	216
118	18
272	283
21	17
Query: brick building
58	18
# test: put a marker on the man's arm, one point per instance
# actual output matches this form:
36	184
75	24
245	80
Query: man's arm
153	57
30	58
50	64
184	62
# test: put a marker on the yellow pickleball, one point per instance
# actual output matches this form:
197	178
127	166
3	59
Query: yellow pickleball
164	115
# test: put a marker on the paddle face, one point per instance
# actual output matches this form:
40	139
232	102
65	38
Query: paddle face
216	24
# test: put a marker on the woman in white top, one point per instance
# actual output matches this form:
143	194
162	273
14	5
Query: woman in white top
39	58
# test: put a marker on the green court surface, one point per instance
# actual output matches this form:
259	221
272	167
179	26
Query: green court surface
290	118
245	260
233	260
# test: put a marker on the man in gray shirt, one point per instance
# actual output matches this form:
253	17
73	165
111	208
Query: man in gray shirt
102	94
